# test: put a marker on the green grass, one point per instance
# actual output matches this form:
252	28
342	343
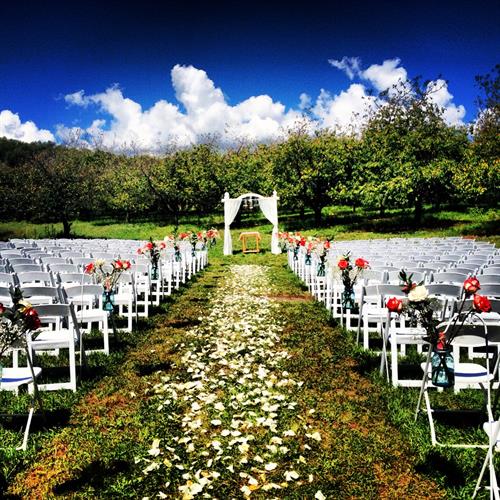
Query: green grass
339	223
88	447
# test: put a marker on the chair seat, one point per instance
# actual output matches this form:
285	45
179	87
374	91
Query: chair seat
467	373
12	378
53	339
91	315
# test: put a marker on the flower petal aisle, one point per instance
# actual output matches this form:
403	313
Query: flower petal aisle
239	420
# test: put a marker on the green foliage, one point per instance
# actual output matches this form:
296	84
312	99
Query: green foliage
410	151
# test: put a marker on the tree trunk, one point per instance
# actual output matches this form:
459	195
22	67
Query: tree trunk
127	216
317	215
382	210
417	215
66	228
302	212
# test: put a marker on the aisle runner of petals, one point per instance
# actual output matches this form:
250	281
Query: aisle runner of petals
234	417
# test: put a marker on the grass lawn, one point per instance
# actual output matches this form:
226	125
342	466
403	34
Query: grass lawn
370	446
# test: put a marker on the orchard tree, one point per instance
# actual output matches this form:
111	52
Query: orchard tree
123	187
486	129
61	183
411	150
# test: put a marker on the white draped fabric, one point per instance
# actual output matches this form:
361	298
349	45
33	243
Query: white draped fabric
231	208
269	207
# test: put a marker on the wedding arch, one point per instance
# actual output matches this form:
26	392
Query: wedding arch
269	207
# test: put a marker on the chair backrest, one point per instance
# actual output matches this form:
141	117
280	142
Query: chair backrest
72	292
63	268
370	276
462	268
81	261
42	277
57	313
490	270
25	268
495	305
42	294
71	254
16	261
490	290
52	260
490	279
5	296
443	289
104	255
8	279
70	279
451	277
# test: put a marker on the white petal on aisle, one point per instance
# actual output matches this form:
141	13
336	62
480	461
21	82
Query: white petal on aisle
235	404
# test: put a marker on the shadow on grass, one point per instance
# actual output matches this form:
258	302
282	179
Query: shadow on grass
96	475
54	419
437	463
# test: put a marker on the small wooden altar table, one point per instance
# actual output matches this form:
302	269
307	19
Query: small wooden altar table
243	239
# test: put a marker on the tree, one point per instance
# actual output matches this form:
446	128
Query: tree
123	187
61	184
411	150
486	129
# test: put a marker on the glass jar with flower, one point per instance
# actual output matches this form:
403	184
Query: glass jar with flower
108	275
349	274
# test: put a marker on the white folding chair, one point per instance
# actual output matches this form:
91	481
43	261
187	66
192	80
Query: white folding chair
60	330
11	379
87	301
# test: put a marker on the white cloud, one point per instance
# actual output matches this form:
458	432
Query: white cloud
384	76
257	118
441	96
304	101
350	65
346	111
202	109
11	127
77	99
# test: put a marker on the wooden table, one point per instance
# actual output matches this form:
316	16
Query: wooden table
250	235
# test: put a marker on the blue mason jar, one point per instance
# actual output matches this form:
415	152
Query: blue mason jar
443	368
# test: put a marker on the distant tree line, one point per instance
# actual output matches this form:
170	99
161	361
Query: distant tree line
406	156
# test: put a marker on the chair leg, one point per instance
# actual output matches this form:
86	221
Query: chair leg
24	444
430	418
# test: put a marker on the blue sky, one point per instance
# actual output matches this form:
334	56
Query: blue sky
53	49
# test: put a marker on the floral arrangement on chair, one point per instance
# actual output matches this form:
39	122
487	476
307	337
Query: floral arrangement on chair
292	241
349	273
322	249
153	249
212	235
108	275
16	323
420	308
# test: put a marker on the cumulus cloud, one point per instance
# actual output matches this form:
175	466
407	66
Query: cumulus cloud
384	76
201	109
441	96
350	65
387	76
205	111
346	111
11	127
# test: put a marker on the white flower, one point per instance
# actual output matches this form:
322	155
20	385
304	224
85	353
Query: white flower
270	466
291	475
215	421
319	496
315	435
155	448
418	294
